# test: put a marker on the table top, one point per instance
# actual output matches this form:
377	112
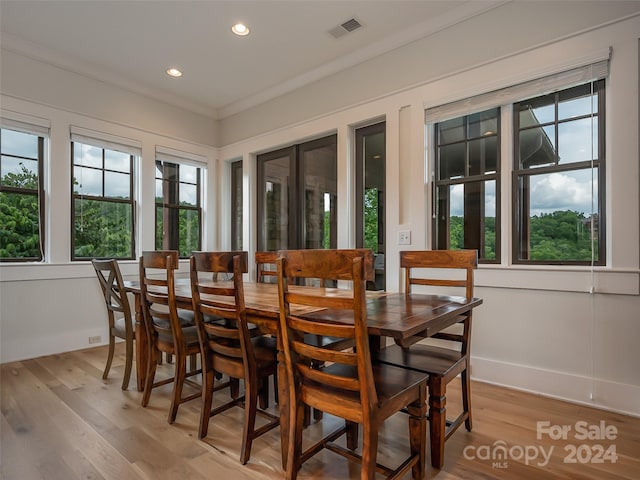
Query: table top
395	315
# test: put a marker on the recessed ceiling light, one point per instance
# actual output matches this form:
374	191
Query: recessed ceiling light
174	72
240	29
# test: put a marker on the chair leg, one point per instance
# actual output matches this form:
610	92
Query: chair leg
250	406
294	450
263	393
151	374
437	419
369	450
107	367
128	363
208	382
466	397
179	376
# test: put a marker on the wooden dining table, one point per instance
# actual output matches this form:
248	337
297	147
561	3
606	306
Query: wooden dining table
389	315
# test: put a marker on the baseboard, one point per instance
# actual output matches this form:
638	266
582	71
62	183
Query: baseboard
593	392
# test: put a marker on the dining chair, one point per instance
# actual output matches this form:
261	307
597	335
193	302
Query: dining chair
118	312
323	341
348	385
229	347
441	363
266	267
166	330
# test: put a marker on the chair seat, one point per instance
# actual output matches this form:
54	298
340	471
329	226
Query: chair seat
390	383
335	343
190	336
422	358
119	329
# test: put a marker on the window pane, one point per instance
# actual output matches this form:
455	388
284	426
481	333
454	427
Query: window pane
451	131
102	229
483	123
189	232
577	102
456	217
276	204
490	234
20	232
19	143
118	161
537	147
575	140
116	185
320	172
188	173
18	172
188	194
451	161
87	155
563	205
537	111
87	181
483	155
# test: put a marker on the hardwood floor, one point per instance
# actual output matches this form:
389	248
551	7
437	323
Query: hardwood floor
60	420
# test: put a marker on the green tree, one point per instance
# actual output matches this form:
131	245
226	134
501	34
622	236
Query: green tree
371	219
20	216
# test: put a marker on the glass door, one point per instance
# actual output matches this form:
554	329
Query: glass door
370	194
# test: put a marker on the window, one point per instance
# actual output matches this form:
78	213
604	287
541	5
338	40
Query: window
559	177
297	196
102	203
236	205
21	195
178	206
467	178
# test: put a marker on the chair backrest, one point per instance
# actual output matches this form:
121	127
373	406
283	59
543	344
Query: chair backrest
348	265
463	260
230	338
157	287
115	296
266	267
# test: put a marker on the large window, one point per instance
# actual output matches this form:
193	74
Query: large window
297	196
102	202
178	207
467	184
559	177
21	196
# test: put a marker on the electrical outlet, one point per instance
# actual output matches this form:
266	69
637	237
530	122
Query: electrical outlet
404	237
96	339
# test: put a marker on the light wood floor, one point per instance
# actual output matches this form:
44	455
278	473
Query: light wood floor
60	420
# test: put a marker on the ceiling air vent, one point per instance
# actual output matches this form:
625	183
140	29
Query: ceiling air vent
344	28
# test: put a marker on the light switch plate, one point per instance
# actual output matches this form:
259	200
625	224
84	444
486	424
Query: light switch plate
404	237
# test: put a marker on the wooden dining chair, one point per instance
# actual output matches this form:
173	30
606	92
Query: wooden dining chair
441	363
229	347
348	385
166	330
118	312
266	267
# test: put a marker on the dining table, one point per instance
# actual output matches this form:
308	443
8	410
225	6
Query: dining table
390	315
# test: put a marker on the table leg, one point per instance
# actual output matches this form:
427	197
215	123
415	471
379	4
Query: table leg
437	420
142	346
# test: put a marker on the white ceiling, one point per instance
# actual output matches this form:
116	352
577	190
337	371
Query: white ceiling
132	43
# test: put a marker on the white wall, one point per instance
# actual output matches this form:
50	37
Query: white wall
538	329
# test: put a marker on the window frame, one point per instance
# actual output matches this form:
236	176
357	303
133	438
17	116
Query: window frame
169	243
236	205
39	192
103	198
441	228
518	231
